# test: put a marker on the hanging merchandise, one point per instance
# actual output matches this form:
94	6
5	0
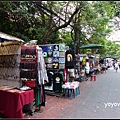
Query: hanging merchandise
50	77
69	59
71	72
33	72
65	75
58	81
55	65
54	56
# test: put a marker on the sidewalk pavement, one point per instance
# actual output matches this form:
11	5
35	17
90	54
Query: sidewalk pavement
97	99
54	105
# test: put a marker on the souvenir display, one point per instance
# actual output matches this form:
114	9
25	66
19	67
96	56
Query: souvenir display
49	48
61	66
55	47
44	48
57	82
49	66
45	54
54	54
62	54
61	60
55	61
50	54
61	47
55	65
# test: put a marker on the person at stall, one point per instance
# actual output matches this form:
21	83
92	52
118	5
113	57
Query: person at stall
87	69
99	68
91	70
103	68
83	62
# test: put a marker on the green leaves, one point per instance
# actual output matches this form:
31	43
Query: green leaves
47	20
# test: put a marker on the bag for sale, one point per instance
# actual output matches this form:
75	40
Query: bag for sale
30	83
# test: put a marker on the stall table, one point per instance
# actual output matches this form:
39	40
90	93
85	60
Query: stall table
72	88
11	102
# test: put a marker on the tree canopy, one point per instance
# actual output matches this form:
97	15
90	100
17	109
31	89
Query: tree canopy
74	23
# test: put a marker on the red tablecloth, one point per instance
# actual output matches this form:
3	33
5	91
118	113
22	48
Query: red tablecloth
11	103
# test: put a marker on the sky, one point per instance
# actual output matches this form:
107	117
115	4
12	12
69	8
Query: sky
115	35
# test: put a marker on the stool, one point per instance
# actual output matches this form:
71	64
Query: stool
70	92
77	91
71	89
93	76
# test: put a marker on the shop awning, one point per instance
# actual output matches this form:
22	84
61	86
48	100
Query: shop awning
6	40
9	37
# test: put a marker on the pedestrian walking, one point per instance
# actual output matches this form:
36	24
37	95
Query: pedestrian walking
116	66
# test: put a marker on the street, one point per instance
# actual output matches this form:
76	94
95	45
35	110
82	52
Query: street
97	99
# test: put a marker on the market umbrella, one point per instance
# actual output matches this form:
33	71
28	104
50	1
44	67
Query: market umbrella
107	56
91	46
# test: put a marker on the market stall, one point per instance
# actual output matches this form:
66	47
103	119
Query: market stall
60	67
22	75
11	99
33	72
10	50
54	56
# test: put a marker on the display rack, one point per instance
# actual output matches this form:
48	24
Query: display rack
30	66
54	56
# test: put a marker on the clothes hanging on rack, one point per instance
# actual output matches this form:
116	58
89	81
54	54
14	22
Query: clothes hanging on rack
33	69
50	77
42	72
41	77
65	75
39	93
69	59
58	78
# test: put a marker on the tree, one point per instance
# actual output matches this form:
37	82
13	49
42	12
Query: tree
48	21
34	20
90	23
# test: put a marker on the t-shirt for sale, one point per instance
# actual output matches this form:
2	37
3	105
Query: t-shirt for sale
69	59
58	81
